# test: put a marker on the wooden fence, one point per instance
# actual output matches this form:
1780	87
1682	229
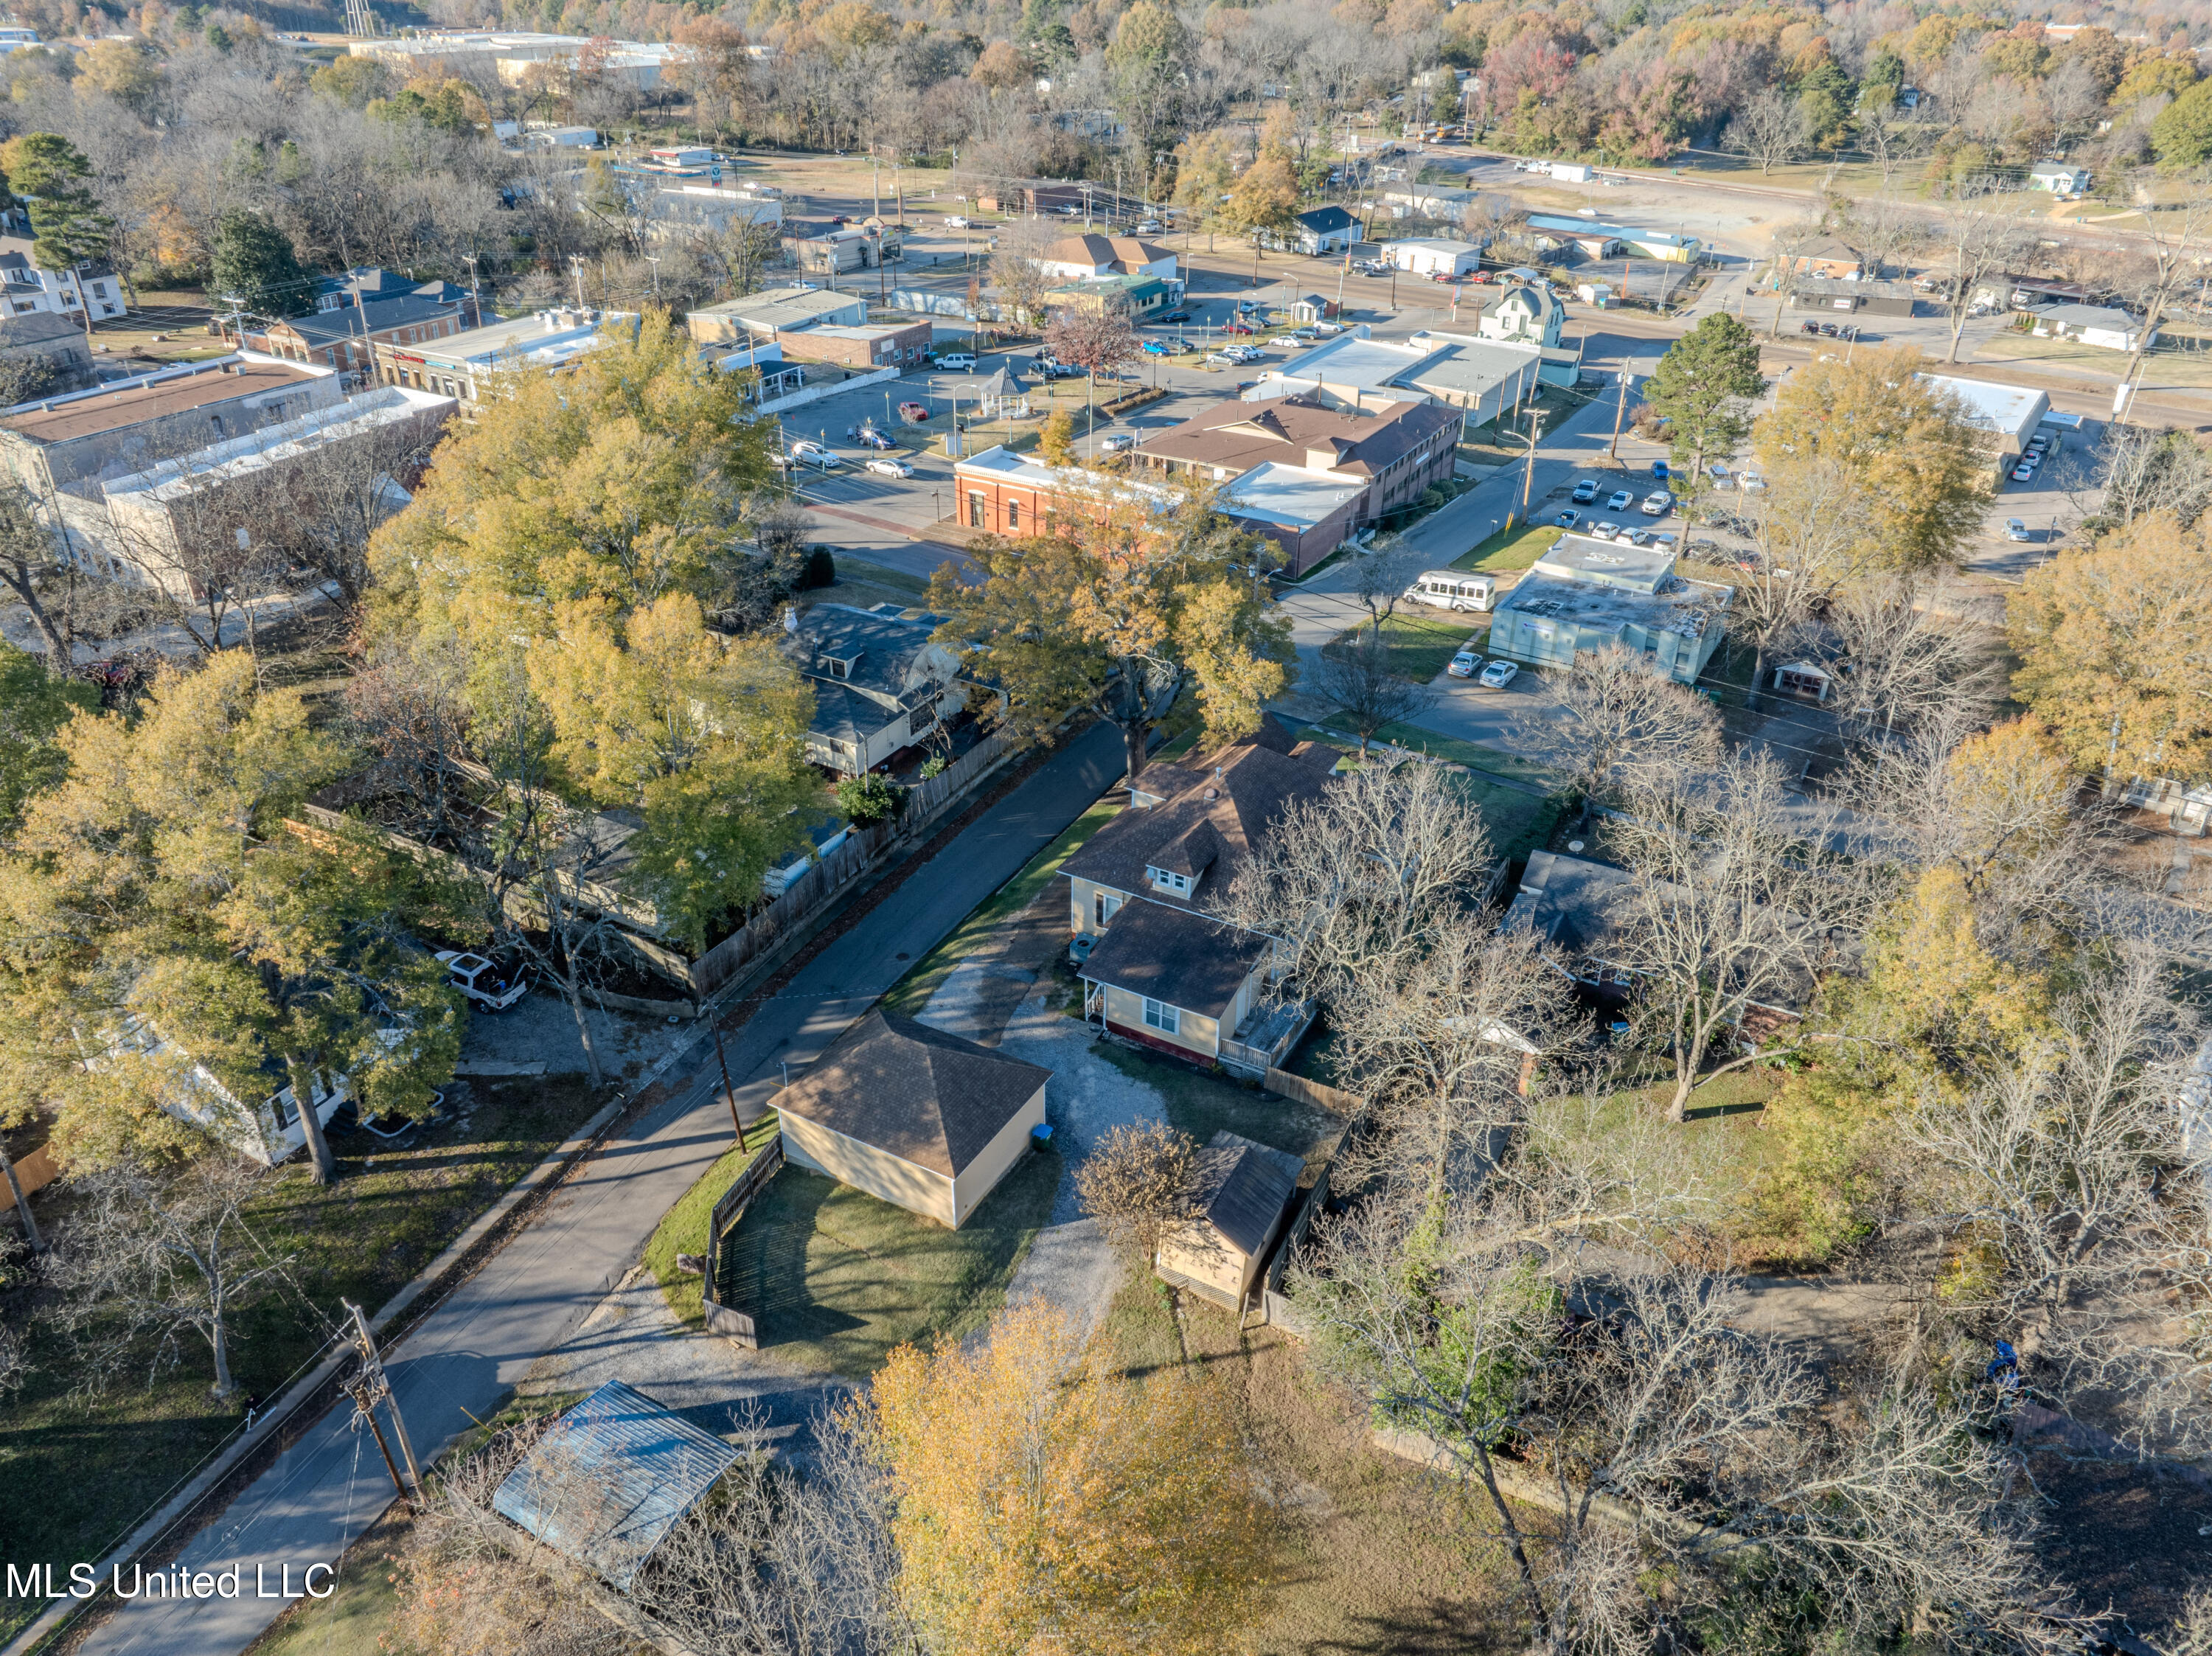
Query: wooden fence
727	1319
34	1173
830	876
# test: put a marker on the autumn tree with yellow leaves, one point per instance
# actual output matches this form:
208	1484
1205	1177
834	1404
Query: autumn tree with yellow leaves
1040	1502
1123	596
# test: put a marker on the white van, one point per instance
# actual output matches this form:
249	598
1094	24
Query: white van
1451	589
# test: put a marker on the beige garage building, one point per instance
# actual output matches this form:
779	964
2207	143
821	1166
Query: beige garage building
1244	1189
922	1119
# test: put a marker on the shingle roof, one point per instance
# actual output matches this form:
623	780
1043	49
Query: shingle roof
925	1096
357	322
1243	1187
1095	250
1170	953
1323	220
610	1478
1241	790
1238	436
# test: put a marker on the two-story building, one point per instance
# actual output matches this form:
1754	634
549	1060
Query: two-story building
476	365
345	337
1160	970
25	289
1524	314
881	683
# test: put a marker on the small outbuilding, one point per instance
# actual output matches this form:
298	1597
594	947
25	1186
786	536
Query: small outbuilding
609	1479
926	1120
1243	1191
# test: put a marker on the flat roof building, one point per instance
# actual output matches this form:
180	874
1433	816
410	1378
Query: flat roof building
1481	378
1588	594
2006	416
466	366
771	312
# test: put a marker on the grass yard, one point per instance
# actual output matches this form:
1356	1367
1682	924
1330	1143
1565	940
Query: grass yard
2160	367
860	586
874	574
75	1475
1519	821
1508	550
839	1280
682	1229
912	992
1203	1104
1422	646
1376	1559
353	1620
1511	767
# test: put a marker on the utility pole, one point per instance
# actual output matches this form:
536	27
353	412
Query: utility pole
364	1405
1529	475
476	298
728	1091
876	188
376	1385
1619	408
576	262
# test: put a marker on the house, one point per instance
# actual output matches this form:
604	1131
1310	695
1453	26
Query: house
1092	257
2058	178
1244	1191
1434	256
1138	295
1524	314
1162	971
2105	326
1306	513
1321	230
2003	417
25	289
1389	456
1588	594
773	312
54	341
927	1121
881	682
833	249
346	337
1821	255
479	363
609	1478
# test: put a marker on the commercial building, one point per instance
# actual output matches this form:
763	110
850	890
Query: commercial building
1582	233
872	345
1434	256
54	340
1094	258
346	337
469	366
711	210
511	56
773	312
823	249
1482	378
1588	594
2003	416
1138	295
1822	256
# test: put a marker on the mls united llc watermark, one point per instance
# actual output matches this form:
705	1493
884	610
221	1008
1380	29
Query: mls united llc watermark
82	1581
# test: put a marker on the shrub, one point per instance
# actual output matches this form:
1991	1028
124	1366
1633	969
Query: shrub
870	800
821	569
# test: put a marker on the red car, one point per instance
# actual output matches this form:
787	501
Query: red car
913	413
1238	327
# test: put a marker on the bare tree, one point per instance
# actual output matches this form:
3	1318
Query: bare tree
1789	242
1612	718
161	1256
1909	662
1737	902
1770	128
1809	519
2169	257
1892	138
1882	231
1356	672
2144	469
1970	243
1137	1181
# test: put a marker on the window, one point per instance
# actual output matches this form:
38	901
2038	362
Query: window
1158	1015
975	517
1102	907
1177	883
1013	516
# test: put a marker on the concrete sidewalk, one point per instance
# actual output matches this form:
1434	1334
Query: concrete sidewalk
460	1362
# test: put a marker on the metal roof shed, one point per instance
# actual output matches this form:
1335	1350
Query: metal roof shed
610	1480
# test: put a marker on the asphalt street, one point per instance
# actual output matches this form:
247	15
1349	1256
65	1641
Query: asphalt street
460	1361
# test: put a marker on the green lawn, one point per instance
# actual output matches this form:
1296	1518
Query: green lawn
860	569
1421	646
1510	549
682	1229
912	992
839	1280
1519	821
1203	1104
75	1475
1493	760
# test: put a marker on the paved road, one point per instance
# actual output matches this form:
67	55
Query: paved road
459	1363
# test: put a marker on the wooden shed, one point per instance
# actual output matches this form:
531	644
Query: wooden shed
1244	1190
926	1120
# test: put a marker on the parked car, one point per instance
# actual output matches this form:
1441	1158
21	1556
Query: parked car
1238	326
1116	444
1498	675
954	221
1606	532
1658	504
2022	472
1619	501
1719	474
395	1126
1173	316
1585	491
913	414
1464	663
1568	519
1222	360
1158	347
869	437
959	362
488	984
885	468
1328	330
2016	531
1304	335
1148	226
1750	480
1639	537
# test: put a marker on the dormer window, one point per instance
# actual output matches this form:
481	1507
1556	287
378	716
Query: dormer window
1176	885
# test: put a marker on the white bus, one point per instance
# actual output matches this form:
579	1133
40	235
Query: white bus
1451	589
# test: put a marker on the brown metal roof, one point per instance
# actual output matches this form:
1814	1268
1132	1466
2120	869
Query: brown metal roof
1239	436
87	416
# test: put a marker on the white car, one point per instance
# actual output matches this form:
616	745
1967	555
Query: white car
1148	226
1464	663
954	221
1658	504
1619	501
1116	443
805	448
1585	491
820	459
959	362
2016	531
1605	531
1750	480
1223	360
1498	675
886	468
484	983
